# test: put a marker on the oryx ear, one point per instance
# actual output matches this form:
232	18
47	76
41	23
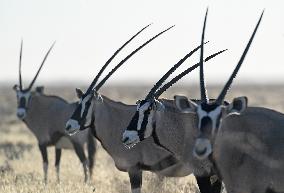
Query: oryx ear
159	106
16	87
238	105
39	89
185	105
79	92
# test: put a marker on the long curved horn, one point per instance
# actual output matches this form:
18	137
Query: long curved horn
111	58
203	91
178	77
127	57
20	67
46	55
222	95
165	76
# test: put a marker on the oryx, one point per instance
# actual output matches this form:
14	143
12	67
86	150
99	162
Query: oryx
245	143
108	117
160	119
46	116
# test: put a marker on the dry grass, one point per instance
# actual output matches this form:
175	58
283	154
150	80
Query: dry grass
20	160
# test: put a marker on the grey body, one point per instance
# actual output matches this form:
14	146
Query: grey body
249	151
110	120
46	117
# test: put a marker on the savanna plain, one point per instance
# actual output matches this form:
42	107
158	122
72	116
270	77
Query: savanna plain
21	163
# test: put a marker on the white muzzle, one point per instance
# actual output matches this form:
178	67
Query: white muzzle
72	127
130	138
202	148
21	113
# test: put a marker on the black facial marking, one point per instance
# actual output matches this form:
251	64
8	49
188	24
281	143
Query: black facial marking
205	123
209	107
77	115
22	102
132	126
87	106
77	112
141	132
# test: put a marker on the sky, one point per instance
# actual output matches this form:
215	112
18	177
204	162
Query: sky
87	33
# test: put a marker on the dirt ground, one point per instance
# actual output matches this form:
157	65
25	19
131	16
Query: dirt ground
20	159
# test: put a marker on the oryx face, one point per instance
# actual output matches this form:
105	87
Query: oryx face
209	120
142	123
210	117
82	116
23	99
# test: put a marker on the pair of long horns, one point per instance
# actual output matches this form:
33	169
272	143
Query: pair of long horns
35	77
221	97
157	90
158	84
93	85
182	74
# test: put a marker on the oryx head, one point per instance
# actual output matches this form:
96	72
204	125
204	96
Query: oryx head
24	94
82	117
211	114
142	124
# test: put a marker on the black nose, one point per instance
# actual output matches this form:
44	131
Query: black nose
68	128
124	140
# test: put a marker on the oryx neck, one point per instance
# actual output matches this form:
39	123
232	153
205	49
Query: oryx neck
113	103
172	128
